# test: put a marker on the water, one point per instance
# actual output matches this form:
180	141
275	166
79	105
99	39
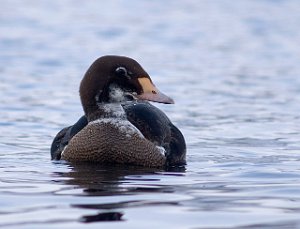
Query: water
232	68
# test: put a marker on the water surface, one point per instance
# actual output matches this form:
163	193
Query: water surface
232	68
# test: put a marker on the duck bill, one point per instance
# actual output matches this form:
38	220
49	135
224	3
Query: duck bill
151	93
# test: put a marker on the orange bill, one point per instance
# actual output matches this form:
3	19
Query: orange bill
151	93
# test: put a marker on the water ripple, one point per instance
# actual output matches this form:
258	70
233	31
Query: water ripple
232	68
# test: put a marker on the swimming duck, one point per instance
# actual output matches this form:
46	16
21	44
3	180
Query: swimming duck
120	126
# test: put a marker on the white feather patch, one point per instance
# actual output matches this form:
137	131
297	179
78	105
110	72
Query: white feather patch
121	124
161	150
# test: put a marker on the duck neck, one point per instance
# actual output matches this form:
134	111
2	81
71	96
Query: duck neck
107	110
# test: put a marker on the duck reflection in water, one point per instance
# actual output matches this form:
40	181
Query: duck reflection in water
106	180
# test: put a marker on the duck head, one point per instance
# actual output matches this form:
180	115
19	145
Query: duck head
117	79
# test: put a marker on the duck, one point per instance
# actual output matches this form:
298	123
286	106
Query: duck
120	125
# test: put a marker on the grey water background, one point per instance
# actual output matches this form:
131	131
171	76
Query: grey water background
232	68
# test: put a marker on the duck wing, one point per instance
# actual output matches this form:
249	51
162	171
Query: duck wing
152	123
63	137
157	128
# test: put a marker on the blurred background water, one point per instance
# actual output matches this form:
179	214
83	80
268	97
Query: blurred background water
232	68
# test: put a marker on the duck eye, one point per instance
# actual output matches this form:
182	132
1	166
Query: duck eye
121	71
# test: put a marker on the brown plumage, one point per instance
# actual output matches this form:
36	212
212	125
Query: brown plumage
106	142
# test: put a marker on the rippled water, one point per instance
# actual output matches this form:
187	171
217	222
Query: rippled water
232	68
